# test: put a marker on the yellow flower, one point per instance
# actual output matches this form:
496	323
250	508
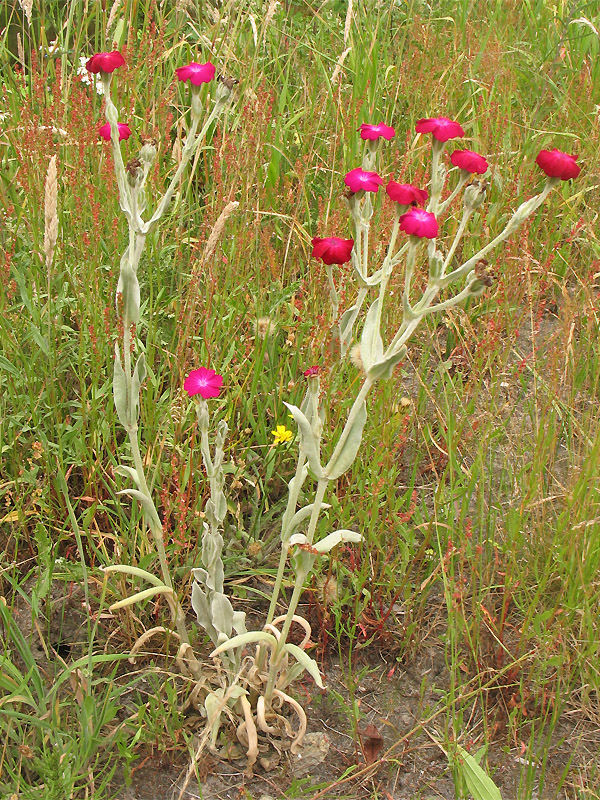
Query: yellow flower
282	434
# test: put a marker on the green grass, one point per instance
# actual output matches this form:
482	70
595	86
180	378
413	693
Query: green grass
484	489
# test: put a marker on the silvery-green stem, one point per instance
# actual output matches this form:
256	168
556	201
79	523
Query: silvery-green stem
191	143
525	210
386	271
297	592
158	537
365	248
467	212
388	263
452	301
438	174
408	273
409	325
398	257
295	487
112	118
464	177
290	510
357	252
370	155
333	295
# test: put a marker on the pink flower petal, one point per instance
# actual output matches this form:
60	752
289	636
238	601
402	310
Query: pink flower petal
469	161
557	164
373	132
105	62
442	128
124	131
421	223
332	250
204	382
196	73
358	180
406	194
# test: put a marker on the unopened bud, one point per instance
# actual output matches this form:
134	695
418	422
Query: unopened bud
135	172
475	194
483	272
148	151
436	261
480	279
228	82
224	88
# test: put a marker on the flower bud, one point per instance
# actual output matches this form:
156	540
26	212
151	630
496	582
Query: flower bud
112	114
436	261
148	152
475	194
135	172
228	82
224	88
480	279
197	107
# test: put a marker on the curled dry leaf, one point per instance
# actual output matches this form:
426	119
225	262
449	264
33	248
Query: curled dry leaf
371	742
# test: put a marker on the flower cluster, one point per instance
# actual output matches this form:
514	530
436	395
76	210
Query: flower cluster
418	222
106	63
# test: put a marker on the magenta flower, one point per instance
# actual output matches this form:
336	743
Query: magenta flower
421	223
442	128
557	164
105	62
469	161
204	382
332	250
406	194
311	372
196	74
358	180
373	132
124	131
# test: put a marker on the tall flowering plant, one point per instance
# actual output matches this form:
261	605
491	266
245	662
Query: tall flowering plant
419	217
129	373
248	682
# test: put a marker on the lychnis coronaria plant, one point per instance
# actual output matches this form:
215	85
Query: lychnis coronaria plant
129	373
247	685
419	217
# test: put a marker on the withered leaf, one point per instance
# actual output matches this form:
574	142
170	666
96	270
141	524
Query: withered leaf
371	742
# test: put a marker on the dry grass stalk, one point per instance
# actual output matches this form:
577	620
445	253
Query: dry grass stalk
112	16
271	11
216	232
20	50
340	63
27	5
50	211
348	23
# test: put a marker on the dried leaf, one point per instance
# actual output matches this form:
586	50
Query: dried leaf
371	742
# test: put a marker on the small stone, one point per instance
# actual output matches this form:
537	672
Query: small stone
315	748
